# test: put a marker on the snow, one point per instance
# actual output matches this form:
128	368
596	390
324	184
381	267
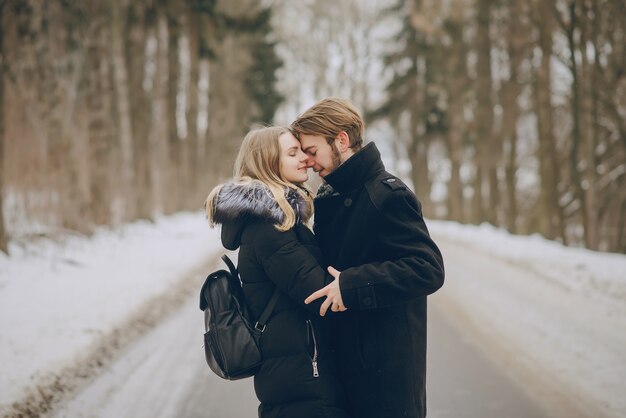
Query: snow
598	275
56	298
551	316
556	309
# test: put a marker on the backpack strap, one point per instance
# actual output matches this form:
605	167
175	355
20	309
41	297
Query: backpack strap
260	324
265	315
231	266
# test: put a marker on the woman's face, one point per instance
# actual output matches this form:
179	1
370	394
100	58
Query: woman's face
293	161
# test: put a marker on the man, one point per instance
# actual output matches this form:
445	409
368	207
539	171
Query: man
370	228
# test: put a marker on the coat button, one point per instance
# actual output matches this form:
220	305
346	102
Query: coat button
391	180
348	202
367	301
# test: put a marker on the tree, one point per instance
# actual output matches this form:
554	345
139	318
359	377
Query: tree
517	42
4	247
261	77
456	84
550	215
488	146
123	109
100	130
412	111
140	14
233	107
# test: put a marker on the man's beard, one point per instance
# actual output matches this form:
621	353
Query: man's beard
336	156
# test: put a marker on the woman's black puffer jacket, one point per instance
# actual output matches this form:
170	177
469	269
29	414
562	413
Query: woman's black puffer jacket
298	377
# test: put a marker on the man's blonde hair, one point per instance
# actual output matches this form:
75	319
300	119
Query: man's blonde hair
327	118
259	160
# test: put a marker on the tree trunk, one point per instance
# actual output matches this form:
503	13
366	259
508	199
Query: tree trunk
418	140
175	191
100	125
56	72
511	90
454	137
193	196
551	219
588	136
577	141
621	228
159	126
139	107
487	152
419	173
203	154
4	241
123	110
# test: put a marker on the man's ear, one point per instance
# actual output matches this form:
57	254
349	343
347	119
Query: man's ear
342	140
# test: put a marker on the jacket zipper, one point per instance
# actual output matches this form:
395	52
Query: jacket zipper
314	358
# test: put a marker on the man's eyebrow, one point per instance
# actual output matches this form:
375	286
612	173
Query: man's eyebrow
308	148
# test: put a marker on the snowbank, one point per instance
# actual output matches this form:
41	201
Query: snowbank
597	274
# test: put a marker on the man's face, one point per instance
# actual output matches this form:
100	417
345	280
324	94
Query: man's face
323	157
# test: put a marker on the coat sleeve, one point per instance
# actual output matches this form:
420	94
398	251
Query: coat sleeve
412	266
289	264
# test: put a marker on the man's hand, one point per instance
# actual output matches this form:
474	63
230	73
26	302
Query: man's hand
332	293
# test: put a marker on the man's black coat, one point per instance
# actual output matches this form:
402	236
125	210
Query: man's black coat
370	227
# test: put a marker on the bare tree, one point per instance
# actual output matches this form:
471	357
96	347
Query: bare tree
122	107
487	145
456	72
100	115
4	247
140	13
550	216
192	108
159	120
517	41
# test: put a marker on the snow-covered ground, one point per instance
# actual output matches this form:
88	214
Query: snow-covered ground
595	274
559	310
58	298
554	317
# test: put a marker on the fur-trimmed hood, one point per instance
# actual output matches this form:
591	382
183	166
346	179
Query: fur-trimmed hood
237	204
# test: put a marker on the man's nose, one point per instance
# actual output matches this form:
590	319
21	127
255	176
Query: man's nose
309	162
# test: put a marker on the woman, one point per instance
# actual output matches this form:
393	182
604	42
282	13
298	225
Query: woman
263	212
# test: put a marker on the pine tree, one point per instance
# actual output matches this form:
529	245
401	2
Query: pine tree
261	78
414	92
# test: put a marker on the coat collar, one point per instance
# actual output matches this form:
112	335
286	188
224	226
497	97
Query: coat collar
356	170
238	204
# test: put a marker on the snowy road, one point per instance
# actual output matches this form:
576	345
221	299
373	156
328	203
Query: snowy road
164	375
565	345
475	367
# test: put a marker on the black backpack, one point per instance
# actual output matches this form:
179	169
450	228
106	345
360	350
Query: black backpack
231	340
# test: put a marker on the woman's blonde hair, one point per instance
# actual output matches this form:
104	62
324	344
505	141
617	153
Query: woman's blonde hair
259	160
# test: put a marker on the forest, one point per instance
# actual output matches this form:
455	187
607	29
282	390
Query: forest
506	112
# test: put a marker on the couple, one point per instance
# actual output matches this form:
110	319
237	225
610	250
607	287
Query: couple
350	342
